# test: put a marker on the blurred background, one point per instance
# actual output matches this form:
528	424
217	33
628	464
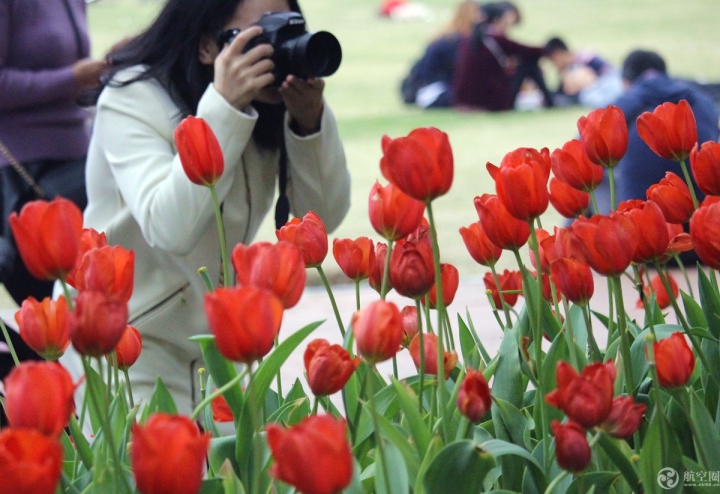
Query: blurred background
378	52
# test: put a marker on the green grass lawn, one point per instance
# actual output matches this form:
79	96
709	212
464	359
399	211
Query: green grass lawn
378	52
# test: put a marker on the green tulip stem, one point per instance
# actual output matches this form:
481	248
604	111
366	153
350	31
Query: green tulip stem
683	396
611	179
206	278
357	295
328	288
68	295
129	389
688	181
463	427
611	312
570	335
593	202
440	306
278	377
378	438
9	342
395	366
315	406
502	297
652	364
624	338
227	281
210	397
713	371
385	284
683	270
421	386
102	414
644	299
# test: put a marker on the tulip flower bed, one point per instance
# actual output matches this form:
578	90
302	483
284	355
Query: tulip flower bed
635	410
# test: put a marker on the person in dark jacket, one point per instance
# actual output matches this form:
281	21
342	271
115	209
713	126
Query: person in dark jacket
490	68
649	85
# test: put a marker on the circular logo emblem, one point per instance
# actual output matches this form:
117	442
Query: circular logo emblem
667	478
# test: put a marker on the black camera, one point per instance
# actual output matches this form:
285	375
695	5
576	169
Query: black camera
296	51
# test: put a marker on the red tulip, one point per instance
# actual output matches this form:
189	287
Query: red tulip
30	463
411	323
430	347
674	361
377	270
572	166
503	229
572	450
47	235
89	239
378	330
705	166
128	348
650	227
276	267
450	278
521	182
314	456
421	164
393	214
624	418
199	150
355	257
568	201
45	326
669	130
474	398
705	232
412	271
574	279
480	247
221	411
245	321
510	285
673	197
168	455
328	367
606	243
308	235
604	134
109	270
39	395
587	397
97	323
679	241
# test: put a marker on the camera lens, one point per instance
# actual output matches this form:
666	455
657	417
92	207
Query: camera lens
314	55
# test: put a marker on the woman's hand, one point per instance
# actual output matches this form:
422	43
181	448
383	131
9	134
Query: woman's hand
239	76
87	73
304	102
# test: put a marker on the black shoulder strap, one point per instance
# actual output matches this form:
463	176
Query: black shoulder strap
282	207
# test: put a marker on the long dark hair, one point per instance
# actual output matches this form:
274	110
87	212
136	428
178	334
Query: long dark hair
169	49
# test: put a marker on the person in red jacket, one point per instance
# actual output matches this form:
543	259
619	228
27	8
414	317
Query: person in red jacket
490	68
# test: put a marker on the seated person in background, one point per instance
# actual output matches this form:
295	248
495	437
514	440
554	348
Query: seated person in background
648	85
428	82
490	68
585	78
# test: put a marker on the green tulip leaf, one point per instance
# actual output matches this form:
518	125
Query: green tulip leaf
222	371
436	445
599	481
710	301
160	401
693	311
468	346
707	439
620	459
459	468
418	429
661	466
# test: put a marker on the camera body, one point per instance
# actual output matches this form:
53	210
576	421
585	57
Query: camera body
296	51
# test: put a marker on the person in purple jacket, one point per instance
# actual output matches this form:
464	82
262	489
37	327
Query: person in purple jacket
490	68
45	67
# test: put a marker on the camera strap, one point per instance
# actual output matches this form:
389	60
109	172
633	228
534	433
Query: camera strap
282	206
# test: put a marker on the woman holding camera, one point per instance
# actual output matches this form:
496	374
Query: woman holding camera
139	195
